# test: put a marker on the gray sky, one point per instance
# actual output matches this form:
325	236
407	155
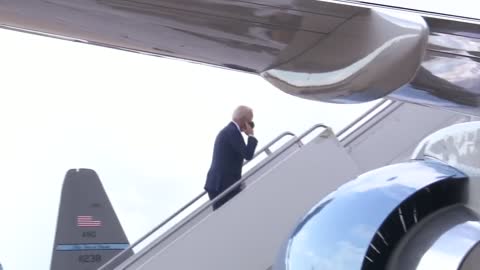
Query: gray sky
145	124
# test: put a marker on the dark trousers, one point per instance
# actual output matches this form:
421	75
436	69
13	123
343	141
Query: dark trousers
224	199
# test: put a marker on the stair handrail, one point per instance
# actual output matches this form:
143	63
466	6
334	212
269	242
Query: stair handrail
265	149
363	115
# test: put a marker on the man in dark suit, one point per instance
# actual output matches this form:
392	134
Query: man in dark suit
229	153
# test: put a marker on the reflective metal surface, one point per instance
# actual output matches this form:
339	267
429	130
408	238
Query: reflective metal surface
355	62
452	248
449	76
473	260
441	241
457	145
342	230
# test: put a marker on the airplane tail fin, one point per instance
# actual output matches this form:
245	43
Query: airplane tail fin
88	231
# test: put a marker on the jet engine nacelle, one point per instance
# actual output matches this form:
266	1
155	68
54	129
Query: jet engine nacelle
422	214
366	58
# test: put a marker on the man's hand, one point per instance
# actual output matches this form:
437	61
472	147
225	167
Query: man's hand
248	129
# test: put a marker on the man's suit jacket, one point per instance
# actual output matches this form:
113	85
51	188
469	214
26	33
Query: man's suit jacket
229	153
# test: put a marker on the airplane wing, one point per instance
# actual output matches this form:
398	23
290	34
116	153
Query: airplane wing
334	51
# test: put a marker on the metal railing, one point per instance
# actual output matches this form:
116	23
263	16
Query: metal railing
363	116
265	149
377	116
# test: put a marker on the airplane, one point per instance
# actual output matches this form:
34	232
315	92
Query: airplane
88	231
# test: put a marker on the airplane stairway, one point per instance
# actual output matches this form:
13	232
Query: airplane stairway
257	219
246	232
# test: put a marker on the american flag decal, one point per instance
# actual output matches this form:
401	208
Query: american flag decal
88	221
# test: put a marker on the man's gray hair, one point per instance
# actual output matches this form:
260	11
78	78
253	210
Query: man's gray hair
241	112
